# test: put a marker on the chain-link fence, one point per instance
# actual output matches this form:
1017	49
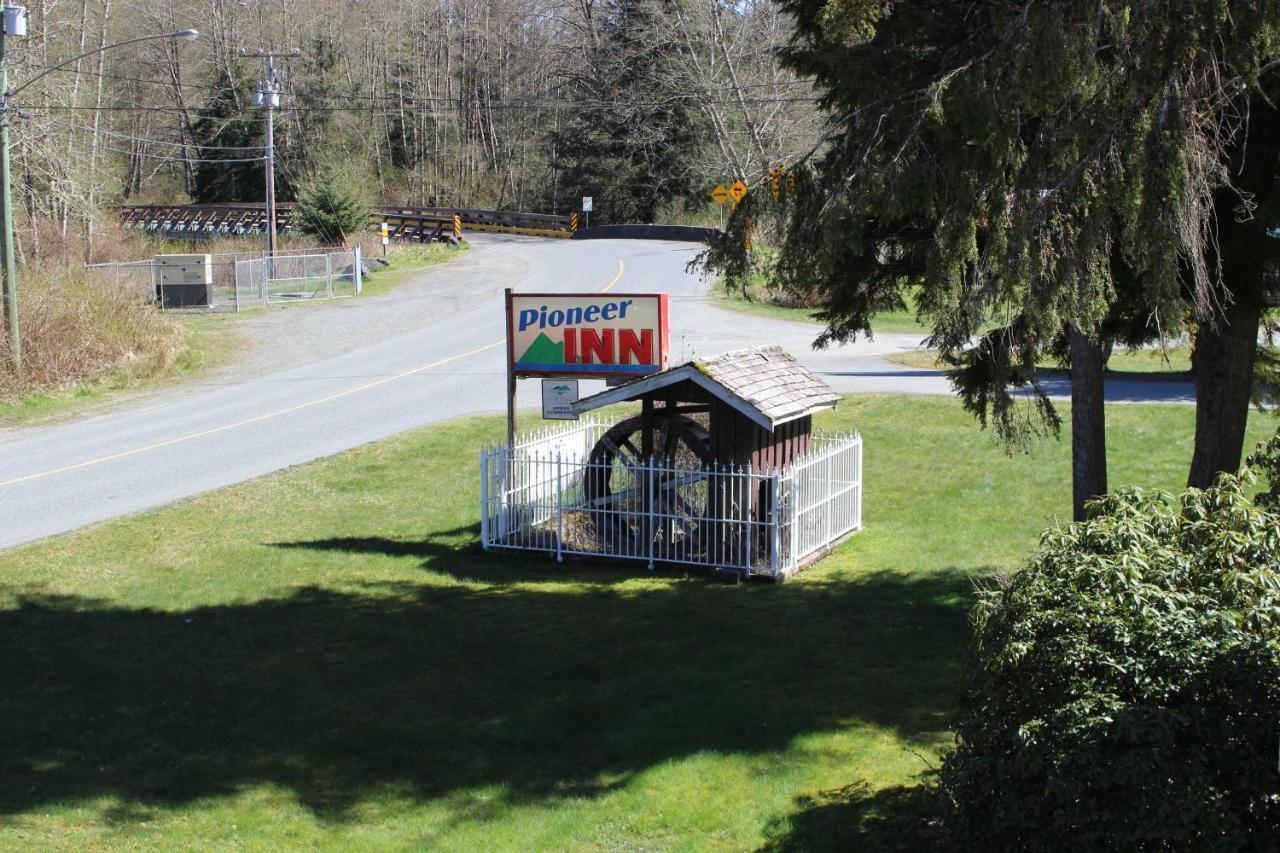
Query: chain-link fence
292	278
246	279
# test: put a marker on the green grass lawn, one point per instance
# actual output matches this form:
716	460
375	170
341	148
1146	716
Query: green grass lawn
760	299
325	658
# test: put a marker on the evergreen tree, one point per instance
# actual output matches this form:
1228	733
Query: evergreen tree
332	206
1046	169
631	137
230	135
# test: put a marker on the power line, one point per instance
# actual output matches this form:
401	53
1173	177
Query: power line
129	138
128	79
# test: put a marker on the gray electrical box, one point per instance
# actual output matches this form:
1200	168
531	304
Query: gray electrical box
15	21
184	281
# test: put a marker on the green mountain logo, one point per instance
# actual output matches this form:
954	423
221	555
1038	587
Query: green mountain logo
562	389
543	350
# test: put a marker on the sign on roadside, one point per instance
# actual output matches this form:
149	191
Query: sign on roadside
558	397
720	194
588	335
586	203
738	190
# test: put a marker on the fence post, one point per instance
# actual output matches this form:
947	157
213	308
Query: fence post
484	499
358	271
830	501
156	286
794	512
559	514
750	523
503	495
857	511
775	536
648	499
328	275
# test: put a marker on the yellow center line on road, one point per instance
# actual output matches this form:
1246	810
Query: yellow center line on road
124	454
617	278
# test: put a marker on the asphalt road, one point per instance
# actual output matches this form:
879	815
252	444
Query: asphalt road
322	379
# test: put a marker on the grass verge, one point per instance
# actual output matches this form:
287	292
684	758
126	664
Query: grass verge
404	262
1174	361
761	300
209	340
324	658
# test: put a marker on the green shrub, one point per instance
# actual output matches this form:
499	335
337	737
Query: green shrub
331	207
1266	462
1124	689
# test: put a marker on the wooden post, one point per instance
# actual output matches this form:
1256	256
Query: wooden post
511	380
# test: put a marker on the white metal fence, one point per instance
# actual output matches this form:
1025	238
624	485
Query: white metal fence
546	494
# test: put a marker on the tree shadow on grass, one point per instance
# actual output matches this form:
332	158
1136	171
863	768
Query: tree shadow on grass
435	690
457	553
901	819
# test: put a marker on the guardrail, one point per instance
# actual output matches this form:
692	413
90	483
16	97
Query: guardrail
419	224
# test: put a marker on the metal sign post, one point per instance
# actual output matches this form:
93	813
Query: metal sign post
720	195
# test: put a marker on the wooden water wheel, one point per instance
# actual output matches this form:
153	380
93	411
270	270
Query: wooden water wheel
616	484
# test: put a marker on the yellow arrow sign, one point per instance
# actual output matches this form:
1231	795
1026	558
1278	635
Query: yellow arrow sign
738	190
720	195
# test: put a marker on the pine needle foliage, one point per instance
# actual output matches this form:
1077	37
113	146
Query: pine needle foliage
1018	164
331	207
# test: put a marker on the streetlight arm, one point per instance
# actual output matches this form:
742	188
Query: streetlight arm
180	35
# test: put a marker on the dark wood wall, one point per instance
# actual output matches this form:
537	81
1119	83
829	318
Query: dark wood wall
739	441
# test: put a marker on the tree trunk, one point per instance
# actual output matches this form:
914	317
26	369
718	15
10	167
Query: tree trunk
1224	356
1088	422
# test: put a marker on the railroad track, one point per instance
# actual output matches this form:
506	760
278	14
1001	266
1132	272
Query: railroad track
417	224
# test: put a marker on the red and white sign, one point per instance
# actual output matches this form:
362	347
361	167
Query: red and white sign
589	335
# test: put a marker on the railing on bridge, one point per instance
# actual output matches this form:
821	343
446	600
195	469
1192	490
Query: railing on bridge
419	224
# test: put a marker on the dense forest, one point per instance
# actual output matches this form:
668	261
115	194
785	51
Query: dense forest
524	104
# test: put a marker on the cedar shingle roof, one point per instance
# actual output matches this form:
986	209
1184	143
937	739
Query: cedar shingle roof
771	381
766	384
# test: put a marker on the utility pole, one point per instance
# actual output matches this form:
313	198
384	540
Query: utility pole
267	95
15	25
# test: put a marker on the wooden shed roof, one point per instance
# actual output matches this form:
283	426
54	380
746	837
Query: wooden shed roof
766	384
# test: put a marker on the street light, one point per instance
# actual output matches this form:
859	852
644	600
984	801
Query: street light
15	25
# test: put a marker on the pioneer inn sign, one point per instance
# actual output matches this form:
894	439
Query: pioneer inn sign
588	335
